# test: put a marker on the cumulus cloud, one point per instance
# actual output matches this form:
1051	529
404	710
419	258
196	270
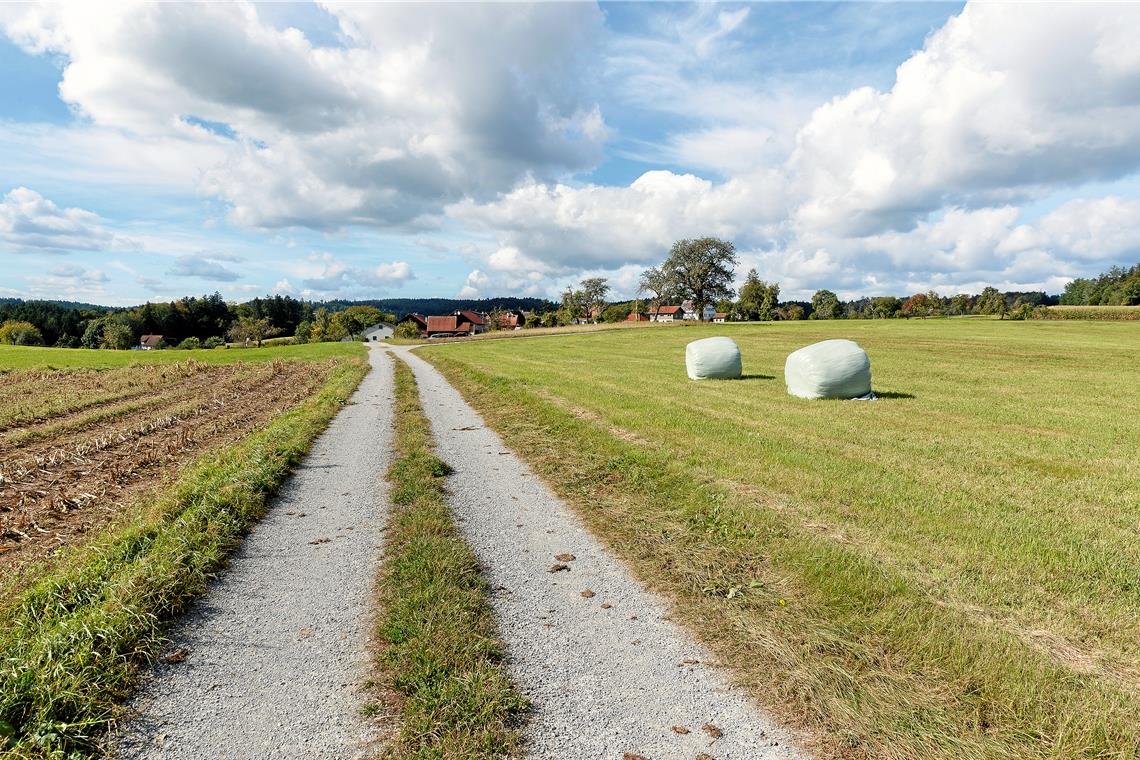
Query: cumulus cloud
29	222
416	109
325	274
921	184
1004	101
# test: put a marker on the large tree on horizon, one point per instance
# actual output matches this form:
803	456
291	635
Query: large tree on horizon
701	270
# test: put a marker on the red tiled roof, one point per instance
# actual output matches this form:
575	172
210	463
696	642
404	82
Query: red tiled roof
150	341
441	324
417	318
471	317
670	309
720	315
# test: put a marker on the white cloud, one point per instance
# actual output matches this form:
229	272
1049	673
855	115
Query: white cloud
921	184
326	275
1004	101
418	110
474	286
30	222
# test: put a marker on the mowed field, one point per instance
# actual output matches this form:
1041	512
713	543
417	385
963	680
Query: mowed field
125	480
952	571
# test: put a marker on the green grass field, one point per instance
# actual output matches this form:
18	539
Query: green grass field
952	571
30	357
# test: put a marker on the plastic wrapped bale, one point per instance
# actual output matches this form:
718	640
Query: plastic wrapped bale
830	369
713	359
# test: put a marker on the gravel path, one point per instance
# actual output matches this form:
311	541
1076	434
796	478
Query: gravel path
277	647
603	681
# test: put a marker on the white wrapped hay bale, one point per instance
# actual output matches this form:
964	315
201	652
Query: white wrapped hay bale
830	369
713	359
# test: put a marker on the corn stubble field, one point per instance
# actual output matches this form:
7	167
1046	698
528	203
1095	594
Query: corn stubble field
951	571
125	479
78	445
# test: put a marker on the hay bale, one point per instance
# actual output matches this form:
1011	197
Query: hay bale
713	359
830	369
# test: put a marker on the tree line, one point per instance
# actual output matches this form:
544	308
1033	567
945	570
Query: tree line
702	271
189	322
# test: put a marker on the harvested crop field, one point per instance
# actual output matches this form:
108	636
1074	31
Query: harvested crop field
79	445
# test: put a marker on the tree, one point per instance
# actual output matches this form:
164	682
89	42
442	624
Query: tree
304	331
249	329
325	328
959	304
885	307
655	284
791	312
356	319
991	301
770	300
117	336
407	331
826	305
701	270
573	307
917	305
594	291
616	312
19	333
758	299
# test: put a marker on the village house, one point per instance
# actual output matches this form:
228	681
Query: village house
419	320
512	319
720	316
458	323
668	314
150	342
691	311
635	317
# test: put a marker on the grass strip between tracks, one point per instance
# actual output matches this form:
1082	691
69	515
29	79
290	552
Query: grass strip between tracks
71	643
439	648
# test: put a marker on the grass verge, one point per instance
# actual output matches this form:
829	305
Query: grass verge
869	656
439	648
71	643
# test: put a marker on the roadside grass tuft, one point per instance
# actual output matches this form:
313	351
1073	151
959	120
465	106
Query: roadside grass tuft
439	648
71	642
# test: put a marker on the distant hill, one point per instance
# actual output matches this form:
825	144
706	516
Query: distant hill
76	305
402	306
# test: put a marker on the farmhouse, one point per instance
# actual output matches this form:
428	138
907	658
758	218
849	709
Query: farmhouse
668	314
691	311
475	322
419	320
150	342
459	323
719	317
512	319
635	317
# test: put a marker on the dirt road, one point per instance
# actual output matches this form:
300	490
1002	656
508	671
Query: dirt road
607	673
276	650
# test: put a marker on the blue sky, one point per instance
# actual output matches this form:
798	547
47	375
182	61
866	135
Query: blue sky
359	151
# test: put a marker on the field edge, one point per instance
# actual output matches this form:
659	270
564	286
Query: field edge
71	643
